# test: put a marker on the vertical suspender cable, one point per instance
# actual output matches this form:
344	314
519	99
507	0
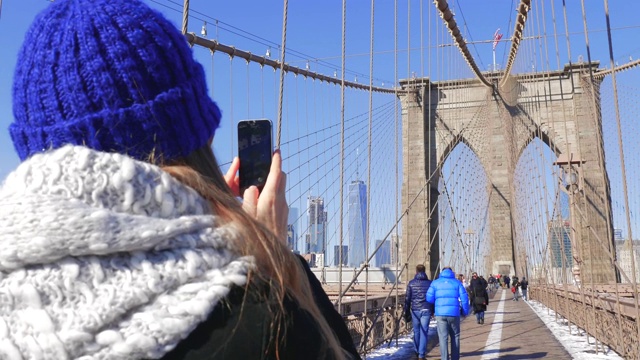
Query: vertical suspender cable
629	243
395	112
282	54
213	82
185	17
409	39
553	147
248	92
408	228
344	41
429	165
262	87
421	39
231	102
598	125
577	226
604	181
568	151
367	227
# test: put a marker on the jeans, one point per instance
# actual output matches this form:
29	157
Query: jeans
524	294
479	315
449	326
420	320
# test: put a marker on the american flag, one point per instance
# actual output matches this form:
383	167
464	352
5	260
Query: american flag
496	37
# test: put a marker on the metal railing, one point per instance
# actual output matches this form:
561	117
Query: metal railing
603	318
383	320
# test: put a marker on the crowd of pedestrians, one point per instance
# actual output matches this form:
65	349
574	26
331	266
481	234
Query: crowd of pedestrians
448	299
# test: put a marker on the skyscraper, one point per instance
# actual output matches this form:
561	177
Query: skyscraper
383	256
291	237
357	222
336	255
292	227
316	239
394	249
559	240
617	234
627	252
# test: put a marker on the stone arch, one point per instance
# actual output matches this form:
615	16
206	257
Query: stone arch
459	139
542	136
479	224
540	183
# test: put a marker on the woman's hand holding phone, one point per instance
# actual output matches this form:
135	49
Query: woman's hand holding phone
269	206
231	177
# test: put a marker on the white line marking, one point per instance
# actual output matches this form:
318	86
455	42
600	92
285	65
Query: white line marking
492	347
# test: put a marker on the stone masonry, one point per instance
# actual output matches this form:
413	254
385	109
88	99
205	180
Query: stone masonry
497	124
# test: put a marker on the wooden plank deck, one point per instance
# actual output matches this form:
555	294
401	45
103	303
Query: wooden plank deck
522	334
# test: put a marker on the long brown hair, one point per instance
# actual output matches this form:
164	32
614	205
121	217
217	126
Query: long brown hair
274	261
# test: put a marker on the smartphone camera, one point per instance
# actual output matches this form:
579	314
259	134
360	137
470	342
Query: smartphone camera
255	149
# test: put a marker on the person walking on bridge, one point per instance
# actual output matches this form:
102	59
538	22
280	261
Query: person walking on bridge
479	297
515	285
524	286
418	310
492	282
451	301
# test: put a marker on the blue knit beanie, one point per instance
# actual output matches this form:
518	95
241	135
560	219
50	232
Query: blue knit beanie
112	75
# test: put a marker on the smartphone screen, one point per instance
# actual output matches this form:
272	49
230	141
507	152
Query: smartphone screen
255	150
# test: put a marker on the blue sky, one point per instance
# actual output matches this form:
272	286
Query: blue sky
314	29
314	37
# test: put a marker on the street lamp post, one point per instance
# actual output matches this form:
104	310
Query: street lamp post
471	246
572	177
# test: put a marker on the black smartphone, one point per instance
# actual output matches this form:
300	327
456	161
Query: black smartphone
255	149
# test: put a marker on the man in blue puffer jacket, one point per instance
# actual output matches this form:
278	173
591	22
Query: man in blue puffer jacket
449	296
418	309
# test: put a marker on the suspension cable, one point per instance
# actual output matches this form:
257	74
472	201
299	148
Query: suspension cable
367	226
282	72
185	17
344	41
447	16
629	242
397	183
521	20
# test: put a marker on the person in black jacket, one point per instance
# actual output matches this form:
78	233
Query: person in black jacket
479	296
147	252
418	310
524	286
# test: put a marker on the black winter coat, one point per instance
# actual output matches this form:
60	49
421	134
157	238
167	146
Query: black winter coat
478	295
416	297
241	327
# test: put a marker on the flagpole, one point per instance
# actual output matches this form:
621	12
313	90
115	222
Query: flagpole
496	37
494	58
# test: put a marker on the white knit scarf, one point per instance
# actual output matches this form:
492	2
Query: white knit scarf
106	257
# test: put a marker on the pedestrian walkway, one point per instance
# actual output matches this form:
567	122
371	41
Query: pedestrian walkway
512	330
